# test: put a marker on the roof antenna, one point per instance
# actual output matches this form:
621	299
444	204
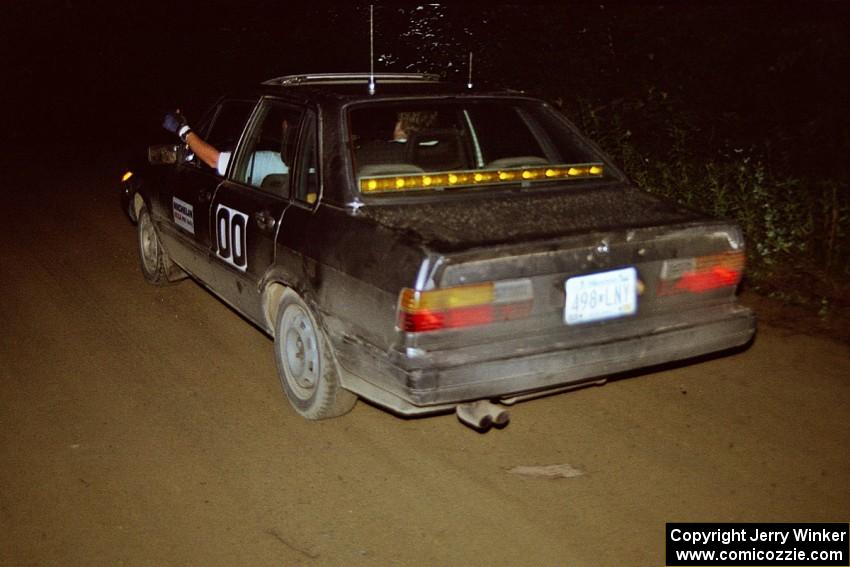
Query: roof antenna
371	49
469	81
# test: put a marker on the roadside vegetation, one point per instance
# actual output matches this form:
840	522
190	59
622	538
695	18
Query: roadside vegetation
797	225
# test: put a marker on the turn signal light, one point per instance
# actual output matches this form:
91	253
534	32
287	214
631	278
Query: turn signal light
126	176
464	306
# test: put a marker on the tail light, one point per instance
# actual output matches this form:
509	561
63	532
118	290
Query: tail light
701	274
464	306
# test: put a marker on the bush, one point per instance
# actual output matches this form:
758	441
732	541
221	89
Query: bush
791	222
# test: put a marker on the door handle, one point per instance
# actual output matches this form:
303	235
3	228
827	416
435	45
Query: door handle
265	221
204	195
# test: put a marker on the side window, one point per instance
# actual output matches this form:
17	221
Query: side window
267	156
227	126
307	186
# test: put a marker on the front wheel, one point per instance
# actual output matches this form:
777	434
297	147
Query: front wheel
151	254
305	365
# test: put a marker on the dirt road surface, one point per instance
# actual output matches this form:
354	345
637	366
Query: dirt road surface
146	426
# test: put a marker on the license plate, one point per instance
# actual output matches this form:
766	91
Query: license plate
605	295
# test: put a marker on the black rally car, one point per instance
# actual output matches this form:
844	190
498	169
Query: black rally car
428	247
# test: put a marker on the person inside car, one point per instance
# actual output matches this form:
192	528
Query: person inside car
409	123
395	151
264	162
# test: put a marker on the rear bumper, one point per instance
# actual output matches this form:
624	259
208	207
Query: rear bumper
485	374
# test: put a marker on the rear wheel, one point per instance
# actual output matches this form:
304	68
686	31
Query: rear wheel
151	254
305	364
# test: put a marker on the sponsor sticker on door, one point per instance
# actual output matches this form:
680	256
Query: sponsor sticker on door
184	214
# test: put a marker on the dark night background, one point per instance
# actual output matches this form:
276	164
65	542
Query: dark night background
757	70
696	100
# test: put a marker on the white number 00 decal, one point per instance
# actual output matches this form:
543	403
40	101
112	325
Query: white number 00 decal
231	237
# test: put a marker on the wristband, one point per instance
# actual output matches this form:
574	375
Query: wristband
183	132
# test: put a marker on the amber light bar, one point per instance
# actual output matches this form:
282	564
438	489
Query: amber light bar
477	177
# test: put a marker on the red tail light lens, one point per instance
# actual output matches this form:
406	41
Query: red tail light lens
718	276
464	306
708	273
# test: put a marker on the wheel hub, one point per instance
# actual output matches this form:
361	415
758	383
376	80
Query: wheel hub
149	244
301	353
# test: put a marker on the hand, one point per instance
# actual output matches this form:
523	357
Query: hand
176	123
173	121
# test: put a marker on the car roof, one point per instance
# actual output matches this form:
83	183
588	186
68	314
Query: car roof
341	88
352	78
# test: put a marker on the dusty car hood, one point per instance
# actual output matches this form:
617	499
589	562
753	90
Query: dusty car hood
479	221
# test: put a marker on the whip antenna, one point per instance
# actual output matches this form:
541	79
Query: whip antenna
469	81
371	49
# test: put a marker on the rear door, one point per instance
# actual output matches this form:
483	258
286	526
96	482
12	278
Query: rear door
249	207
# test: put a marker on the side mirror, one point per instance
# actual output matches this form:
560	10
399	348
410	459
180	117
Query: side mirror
162	154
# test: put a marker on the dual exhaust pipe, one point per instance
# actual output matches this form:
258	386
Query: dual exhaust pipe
482	415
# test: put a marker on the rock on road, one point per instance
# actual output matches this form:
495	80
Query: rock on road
146	426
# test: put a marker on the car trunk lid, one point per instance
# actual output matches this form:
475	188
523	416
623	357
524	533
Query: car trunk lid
532	246
472	221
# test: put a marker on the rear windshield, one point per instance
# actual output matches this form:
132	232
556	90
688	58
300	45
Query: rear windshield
438	145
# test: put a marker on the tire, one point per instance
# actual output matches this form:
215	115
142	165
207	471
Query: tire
151	254
305	363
